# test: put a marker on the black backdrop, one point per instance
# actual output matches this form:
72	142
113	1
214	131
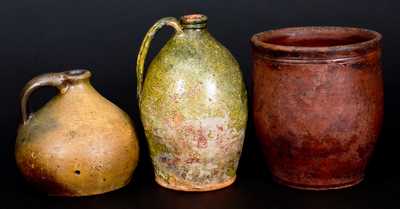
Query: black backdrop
104	36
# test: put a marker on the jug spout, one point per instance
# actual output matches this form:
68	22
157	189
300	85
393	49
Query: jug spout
77	75
194	21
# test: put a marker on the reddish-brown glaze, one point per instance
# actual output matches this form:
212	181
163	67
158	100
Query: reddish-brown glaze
317	103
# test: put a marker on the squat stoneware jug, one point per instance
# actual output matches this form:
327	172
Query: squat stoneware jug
317	103
193	106
79	143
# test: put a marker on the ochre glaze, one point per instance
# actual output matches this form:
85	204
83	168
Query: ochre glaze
79	143
194	110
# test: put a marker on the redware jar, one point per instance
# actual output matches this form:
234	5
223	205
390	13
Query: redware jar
317	103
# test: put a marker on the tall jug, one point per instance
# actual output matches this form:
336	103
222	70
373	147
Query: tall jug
79	143
193	106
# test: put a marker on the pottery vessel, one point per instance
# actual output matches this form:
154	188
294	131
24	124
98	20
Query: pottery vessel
317	103
79	143
193	106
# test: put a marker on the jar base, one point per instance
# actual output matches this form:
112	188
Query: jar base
317	187
194	188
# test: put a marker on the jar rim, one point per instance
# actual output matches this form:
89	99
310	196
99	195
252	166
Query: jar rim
316	42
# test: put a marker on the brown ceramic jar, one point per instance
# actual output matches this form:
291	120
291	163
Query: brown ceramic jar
317	103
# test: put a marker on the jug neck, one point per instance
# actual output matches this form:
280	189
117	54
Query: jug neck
194	22
77	79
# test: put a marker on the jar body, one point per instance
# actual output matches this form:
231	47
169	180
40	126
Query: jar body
78	144
317	119
194	112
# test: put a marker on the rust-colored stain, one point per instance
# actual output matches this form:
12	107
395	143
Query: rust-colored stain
317	103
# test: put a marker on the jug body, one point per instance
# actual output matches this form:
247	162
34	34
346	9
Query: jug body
79	143
194	111
317	103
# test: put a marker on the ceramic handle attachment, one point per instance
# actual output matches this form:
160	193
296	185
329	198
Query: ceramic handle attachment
50	79
144	48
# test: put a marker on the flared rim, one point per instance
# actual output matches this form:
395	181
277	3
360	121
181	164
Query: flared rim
364	41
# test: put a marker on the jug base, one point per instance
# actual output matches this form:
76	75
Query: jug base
88	193
194	188
317	187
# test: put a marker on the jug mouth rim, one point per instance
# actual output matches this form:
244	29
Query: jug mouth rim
194	21
316	42
77	74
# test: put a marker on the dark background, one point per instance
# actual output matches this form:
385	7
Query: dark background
104	36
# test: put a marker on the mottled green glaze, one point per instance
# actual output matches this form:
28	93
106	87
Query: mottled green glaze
193	107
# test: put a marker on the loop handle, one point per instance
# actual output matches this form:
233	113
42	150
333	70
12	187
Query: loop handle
144	48
57	80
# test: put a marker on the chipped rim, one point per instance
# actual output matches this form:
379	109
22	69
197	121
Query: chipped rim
358	48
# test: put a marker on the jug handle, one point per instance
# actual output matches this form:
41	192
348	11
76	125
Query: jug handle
57	80
144	48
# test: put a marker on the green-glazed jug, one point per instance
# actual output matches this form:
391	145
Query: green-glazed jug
193	106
